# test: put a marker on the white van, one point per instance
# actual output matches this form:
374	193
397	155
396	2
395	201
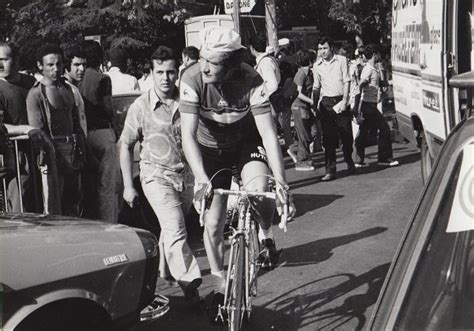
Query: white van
431	42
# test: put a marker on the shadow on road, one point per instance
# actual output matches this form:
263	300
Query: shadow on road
316	306
308	202
321	250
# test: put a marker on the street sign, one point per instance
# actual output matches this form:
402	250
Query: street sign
245	6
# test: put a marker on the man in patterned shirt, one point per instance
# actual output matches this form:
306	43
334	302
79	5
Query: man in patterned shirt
227	122
153	120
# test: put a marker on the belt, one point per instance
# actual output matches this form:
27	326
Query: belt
336	97
101	127
65	139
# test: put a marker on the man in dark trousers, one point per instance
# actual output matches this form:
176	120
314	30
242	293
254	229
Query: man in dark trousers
332	81
96	91
52	108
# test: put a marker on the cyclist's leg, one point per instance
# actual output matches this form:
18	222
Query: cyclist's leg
253	163
215	160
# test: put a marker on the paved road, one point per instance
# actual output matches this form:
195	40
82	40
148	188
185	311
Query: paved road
335	254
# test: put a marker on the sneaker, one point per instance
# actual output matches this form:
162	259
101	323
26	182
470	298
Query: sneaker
269	255
215	309
361	165
389	163
292	155
303	166
328	177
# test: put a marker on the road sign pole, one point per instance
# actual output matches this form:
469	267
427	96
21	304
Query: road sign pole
270	18
237	15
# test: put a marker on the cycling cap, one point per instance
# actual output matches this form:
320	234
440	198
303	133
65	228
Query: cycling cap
220	39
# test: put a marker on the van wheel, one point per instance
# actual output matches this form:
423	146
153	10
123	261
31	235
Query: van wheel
426	159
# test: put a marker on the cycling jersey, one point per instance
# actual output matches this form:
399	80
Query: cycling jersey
222	108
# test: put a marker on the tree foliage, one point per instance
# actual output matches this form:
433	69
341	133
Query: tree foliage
135	29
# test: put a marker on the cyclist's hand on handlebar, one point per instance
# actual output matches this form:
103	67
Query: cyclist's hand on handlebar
285	200
203	193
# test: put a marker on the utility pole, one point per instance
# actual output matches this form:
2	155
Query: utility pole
271	23
237	15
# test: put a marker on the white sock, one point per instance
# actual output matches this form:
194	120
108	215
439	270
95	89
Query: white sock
219	284
265	234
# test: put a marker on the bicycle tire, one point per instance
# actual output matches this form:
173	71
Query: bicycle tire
236	300
254	251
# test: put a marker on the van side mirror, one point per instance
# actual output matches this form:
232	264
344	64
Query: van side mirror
462	81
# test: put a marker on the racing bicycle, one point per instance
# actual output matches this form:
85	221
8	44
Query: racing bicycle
244	265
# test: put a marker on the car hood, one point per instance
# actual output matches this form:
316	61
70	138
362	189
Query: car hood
36	249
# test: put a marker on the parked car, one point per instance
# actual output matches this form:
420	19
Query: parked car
430	285
58	272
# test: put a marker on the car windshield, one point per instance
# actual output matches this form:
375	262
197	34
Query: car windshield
441	294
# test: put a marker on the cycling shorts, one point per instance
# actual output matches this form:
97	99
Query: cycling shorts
249	149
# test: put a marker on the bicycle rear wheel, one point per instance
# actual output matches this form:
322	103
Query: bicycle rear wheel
236	299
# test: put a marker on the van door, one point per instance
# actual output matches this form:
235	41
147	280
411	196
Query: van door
433	66
459	52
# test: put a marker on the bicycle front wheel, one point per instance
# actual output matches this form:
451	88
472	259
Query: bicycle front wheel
236	299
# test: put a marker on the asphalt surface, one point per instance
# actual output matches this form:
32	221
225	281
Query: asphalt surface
335	254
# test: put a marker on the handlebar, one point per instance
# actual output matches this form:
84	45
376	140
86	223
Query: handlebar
244	193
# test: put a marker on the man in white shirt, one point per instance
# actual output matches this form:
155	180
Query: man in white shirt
121	82
266	66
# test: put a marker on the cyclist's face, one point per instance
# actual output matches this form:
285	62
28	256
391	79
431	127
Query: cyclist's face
212	69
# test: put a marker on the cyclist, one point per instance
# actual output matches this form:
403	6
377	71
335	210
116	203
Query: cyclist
226	121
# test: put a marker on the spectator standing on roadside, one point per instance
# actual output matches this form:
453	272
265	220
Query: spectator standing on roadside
96	91
121	82
266	64
146	81
75	64
14	87
153	119
51	107
301	111
189	56
287	65
332	82
372	118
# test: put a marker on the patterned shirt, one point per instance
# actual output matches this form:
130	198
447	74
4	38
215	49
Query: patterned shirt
222	108
157	127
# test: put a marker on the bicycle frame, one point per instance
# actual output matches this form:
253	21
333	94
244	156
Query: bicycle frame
243	240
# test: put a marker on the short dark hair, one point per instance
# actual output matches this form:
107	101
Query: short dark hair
303	58
71	53
118	58
234	59
93	53
326	39
191	52
13	49
259	42
163	53
48	48
370	50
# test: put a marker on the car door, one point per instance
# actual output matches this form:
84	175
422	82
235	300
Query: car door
430	283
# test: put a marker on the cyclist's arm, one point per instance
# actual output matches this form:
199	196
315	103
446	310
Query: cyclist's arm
266	128
189	125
